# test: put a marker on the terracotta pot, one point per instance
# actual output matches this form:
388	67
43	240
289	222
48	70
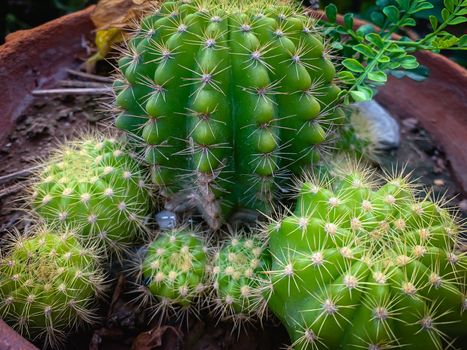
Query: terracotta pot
31	58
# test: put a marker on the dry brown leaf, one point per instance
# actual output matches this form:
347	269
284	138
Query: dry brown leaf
162	337
118	13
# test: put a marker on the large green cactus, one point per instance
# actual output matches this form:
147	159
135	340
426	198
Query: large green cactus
364	267
226	98
48	284
95	185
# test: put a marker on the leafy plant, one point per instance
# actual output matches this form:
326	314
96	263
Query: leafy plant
372	52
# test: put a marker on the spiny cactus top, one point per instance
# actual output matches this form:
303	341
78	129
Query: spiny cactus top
359	266
48	284
96	186
227	96
239	283
173	271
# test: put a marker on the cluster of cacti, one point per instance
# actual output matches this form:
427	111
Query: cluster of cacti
94	185
173	272
226	98
48	284
240	287
361	266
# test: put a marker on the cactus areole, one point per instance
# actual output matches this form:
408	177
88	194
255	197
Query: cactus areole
362	267
226	99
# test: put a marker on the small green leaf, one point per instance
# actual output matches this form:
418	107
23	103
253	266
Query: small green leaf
423	6
337	45
408	22
359	96
346	77
365	50
463	40
384	59
375	39
331	13
462	12
367	91
404	4
392	13
377	18
409	62
382	3
365	29
457	20
434	22
378	76
353	65
449	4
445	14
348	20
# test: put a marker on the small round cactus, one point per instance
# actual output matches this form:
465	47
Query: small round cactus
48	285
95	185
173	273
361	266
226	98
240	289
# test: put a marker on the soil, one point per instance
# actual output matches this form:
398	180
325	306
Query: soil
49	120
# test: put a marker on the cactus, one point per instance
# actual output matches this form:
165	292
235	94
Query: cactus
173	273
95	185
361	266
240	288
48	285
226	98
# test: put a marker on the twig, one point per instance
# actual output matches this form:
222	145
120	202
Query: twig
19	173
89	76
72	91
10	189
79	83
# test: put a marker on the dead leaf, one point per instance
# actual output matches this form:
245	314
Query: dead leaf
118	13
110	18
163	337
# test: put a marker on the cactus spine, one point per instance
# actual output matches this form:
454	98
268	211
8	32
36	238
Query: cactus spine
240	288
94	185
48	285
173	273
361	266
228	97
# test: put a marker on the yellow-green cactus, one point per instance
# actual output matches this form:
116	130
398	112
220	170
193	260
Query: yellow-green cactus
172	274
94	185
48	285
240	288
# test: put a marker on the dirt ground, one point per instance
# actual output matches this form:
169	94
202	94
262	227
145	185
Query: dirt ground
52	119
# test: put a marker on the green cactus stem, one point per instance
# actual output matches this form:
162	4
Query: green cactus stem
48	285
226	99
240	288
173	274
362	266
95	185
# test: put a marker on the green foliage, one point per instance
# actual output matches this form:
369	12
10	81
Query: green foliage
371	53
365	266
94	185
226	99
48	284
